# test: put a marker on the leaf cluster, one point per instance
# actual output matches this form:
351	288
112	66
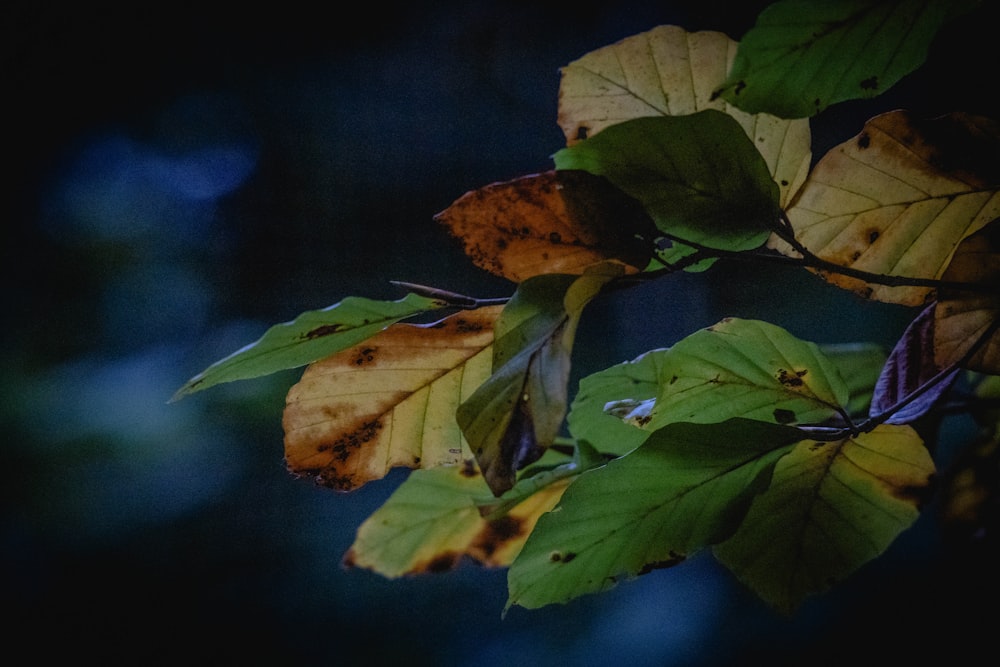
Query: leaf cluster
794	464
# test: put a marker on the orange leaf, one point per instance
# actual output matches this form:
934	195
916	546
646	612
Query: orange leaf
553	222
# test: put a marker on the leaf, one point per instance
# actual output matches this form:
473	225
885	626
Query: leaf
310	336
431	521
699	176
592	415
963	318
831	507
746	368
517	413
898	198
687	487
860	365
909	368
668	71
554	222
804	55
388	402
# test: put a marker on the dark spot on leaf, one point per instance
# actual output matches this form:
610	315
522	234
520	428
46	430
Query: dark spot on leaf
673	380
568	556
581	132
873	236
321	331
740	85
555	556
365	355
783	416
784	182
864	140
468	468
790	379
674	559
495	534
555	237
441	563
871	83
463	325
416	461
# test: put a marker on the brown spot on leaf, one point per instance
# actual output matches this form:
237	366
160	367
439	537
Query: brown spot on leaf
364	356
873	235
864	140
871	83
494	535
443	562
468	468
791	379
674	559
324	330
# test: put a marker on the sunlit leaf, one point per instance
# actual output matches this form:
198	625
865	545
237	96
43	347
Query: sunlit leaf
668	71
431	521
516	414
687	487
698	176
963	317
389	401
745	368
312	335
554	222
831	507
804	55
909	368
898	198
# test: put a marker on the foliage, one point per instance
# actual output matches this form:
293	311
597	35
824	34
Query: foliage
794	464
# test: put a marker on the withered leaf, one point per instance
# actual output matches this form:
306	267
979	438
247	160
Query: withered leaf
389	401
552	222
898	198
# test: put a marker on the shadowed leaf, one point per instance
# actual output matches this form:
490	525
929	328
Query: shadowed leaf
804	55
312	335
517	413
431	521
910	365
687	487
554	222
962	318
831	507
388	402
860	365
699	176
668	71
898	198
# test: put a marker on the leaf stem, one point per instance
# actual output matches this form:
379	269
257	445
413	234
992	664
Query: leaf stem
451	298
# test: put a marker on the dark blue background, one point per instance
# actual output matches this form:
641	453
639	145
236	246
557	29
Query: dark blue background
179	178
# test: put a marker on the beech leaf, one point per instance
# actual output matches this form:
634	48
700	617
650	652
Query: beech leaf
310	336
699	177
962	318
831	507
668	71
804	55
898	198
553	222
745	368
687	487
389	401
517	413
910	366
431	521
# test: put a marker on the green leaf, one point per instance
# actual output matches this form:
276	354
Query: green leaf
746	368
632	383
517	413
860	365
311	336
687	487
804	55
699	176
831	507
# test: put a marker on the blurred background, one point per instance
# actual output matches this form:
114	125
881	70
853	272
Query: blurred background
182	178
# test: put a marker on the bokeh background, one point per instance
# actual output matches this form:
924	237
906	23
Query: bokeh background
183	177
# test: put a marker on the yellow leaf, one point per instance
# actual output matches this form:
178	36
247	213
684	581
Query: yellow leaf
668	71
898	198
389	401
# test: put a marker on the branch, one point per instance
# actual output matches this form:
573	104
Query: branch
451	298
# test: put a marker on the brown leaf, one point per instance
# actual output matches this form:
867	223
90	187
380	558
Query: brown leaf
963	317
389	401
553	222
